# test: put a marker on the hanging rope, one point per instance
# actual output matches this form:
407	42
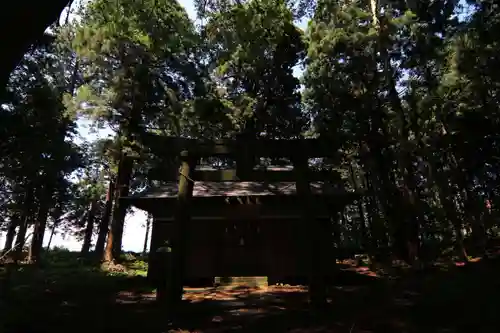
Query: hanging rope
187	177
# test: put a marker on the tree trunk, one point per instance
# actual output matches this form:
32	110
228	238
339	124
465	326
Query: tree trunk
51	236
475	211
374	10
337	220
382	201
146	237
104	224
23	226
87	239
115	234
445	196
406	227
365	242
11	233
456	223
39	232
108	251
21	239
410	228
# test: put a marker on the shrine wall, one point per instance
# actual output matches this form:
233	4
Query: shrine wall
242	248
273	247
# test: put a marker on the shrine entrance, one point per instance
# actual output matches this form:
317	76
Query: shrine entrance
243	221
241	248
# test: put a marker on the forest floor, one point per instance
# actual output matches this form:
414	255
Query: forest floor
70	295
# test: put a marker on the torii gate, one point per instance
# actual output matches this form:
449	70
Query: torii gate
177	211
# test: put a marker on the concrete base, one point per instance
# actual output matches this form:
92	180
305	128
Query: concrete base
241	281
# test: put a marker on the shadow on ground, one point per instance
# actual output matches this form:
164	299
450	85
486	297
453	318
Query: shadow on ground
448	299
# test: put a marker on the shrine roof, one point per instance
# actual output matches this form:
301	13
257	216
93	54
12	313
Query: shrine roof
230	189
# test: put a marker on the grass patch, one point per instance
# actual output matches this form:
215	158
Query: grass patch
64	270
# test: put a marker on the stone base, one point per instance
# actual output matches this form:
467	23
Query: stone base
241	281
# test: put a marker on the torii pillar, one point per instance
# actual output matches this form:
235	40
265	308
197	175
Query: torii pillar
172	257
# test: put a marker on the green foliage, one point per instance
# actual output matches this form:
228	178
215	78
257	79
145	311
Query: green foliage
137	58
407	94
256	45
37	149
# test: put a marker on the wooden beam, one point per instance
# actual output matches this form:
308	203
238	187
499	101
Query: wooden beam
161	145
272	204
208	219
260	175
230	175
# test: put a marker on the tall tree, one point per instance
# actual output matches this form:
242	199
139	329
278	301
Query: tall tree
254	48
34	170
138	58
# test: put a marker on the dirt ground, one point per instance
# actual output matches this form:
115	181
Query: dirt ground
447	299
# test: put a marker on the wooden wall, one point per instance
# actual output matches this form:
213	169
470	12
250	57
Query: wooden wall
241	248
214	248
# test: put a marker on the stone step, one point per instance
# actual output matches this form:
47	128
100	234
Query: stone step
241	281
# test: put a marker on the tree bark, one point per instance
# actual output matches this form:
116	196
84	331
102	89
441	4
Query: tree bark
39	232
115	234
21	238
405	226
11	233
474	212
146	237
51	236
365	242
445	196
23	226
104	224
87	239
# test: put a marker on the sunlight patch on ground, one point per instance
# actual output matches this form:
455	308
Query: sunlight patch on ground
128	297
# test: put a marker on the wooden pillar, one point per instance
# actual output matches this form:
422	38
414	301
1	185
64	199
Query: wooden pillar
158	239
245	157
313	242
173	268
161	272
152	259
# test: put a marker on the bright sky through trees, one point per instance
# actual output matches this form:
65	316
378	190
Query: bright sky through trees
133	237
134	227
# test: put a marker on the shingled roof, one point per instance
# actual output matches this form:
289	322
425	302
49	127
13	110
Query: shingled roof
234	189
